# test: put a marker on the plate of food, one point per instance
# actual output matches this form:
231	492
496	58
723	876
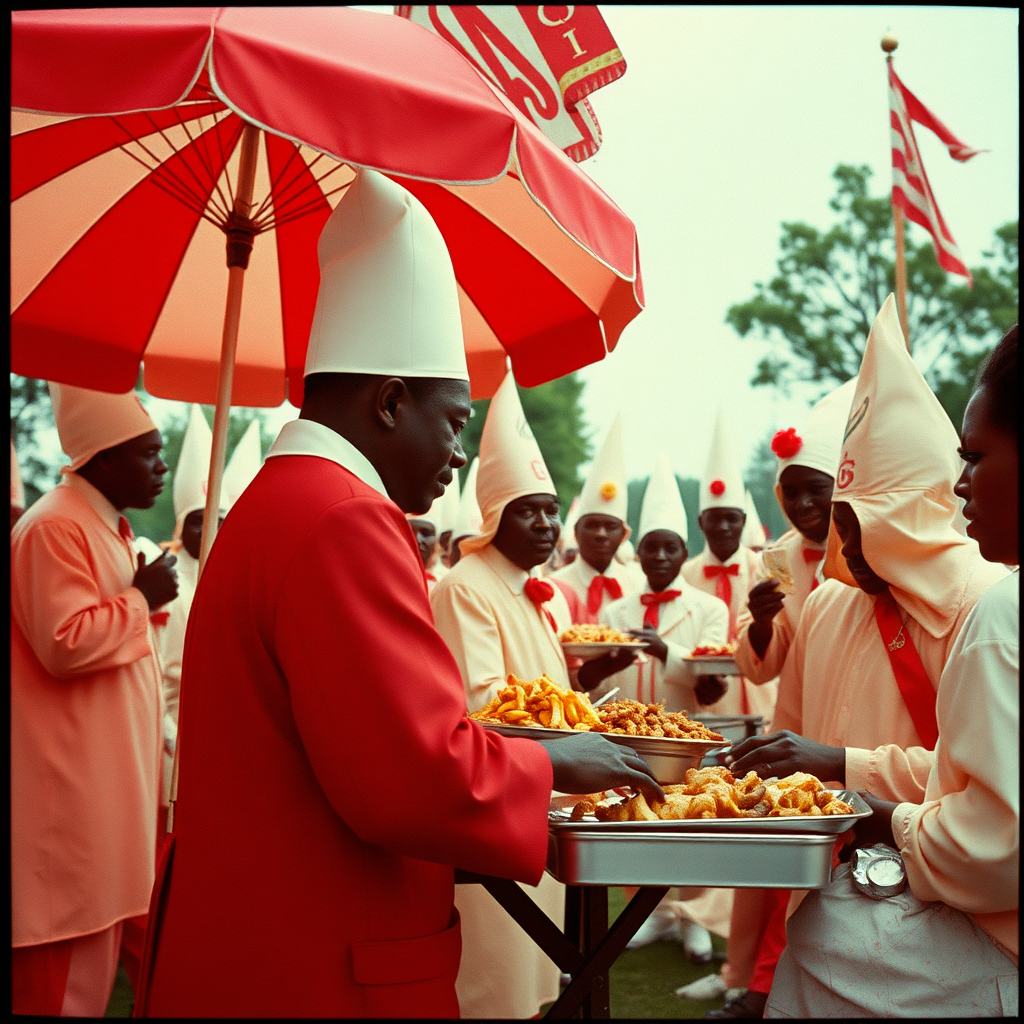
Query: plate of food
713	799
669	741
590	640
714	659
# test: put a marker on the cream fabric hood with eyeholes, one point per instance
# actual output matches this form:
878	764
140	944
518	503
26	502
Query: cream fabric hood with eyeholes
89	422
511	464
897	469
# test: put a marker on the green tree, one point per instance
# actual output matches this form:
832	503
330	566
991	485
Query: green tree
157	522
555	415
817	311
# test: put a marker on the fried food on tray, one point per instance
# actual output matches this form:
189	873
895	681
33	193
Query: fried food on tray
714	650
592	633
540	702
717	793
631	718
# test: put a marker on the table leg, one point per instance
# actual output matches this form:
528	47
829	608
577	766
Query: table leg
608	944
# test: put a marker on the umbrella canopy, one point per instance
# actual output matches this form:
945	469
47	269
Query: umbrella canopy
126	143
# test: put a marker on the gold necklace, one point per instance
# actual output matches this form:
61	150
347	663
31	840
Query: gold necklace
897	641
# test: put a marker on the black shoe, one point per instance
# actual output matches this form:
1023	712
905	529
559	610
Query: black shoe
750	1004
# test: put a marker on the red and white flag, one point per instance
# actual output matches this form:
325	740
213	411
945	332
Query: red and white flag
911	191
545	59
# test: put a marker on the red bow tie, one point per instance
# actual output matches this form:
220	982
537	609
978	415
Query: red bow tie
723	588
159	618
594	592
540	592
125	528
813	554
430	576
651	603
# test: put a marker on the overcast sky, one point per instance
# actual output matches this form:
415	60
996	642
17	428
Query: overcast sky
730	120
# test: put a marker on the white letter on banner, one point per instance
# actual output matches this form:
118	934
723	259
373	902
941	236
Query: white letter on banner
544	20
571	36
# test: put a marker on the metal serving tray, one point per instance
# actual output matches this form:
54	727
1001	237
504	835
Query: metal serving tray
668	758
578	857
817	824
734	728
583	649
713	665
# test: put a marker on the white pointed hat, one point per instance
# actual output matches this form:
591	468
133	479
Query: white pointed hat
449	506
17	487
662	507
388	302
604	492
469	519
721	486
192	474
897	470
243	465
89	422
816	444
569	526
511	463
753	531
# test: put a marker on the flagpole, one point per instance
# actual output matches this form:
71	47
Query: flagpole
889	43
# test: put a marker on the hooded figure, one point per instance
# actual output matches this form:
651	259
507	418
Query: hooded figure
243	465
17	488
469	518
85	708
753	532
595	577
313	665
901	582
498	617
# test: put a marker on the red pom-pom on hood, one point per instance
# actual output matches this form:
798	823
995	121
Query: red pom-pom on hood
787	443
717	488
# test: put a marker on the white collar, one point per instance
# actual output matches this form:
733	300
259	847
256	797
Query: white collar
677	584
588	573
513	576
307	437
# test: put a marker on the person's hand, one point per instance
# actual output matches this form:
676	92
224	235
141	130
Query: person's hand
655	645
877	828
709	689
158	581
597	670
764	602
586	762
783	753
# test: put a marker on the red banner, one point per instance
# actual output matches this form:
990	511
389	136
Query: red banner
545	59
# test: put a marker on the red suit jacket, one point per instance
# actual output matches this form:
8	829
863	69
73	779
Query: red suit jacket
329	779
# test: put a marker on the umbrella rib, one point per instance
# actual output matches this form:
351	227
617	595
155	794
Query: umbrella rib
199	183
200	210
301	211
285	199
182	195
283	214
205	158
275	181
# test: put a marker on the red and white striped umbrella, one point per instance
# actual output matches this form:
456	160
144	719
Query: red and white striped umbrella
127	137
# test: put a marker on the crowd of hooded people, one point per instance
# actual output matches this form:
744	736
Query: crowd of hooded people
325	780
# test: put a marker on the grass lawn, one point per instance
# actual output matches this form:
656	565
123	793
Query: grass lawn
643	981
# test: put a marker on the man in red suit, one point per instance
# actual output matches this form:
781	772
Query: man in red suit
329	779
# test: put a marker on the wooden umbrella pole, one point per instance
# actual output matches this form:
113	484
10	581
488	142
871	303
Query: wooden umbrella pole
240	235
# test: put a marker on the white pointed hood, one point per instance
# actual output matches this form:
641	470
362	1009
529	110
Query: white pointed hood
388	301
89	422
469	518
243	466
721	486
662	507
17	487
604	492
898	467
192	474
511	464
753	531
449	503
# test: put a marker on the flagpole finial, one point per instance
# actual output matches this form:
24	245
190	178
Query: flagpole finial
889	42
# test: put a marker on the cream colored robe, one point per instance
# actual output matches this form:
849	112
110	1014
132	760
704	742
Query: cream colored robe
86	715
743	696
961	845
494	629
574	581
692	618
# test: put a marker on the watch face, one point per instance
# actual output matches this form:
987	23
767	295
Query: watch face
885	872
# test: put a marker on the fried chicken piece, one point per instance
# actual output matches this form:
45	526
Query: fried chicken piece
639	809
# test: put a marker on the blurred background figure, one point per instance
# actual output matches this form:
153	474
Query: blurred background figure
17	488
468	520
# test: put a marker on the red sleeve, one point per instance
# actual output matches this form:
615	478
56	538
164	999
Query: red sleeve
379	704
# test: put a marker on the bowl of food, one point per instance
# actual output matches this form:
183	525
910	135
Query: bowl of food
713	659
590	640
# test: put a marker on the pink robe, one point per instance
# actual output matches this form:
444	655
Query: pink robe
85	721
